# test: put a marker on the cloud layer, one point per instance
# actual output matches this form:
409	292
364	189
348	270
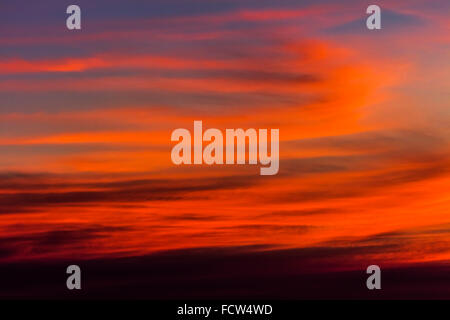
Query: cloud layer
86	118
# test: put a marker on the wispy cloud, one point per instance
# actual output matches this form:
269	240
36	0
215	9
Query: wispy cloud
86	117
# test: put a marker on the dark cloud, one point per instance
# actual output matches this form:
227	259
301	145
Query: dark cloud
304	212
182	102
398	141
369	184
188	217
419	151
129	191
267	228
408	235
235	272
65	238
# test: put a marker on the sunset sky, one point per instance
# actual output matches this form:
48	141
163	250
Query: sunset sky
86	118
